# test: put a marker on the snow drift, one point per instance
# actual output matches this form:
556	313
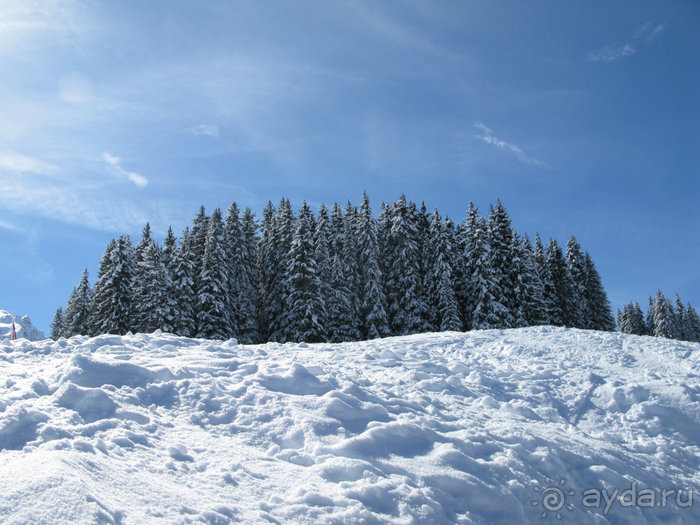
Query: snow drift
501	426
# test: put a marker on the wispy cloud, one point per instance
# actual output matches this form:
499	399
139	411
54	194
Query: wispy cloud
8	226
18	163
613	52
488	137
209	130
115	164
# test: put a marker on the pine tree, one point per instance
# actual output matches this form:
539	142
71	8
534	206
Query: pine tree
352	267
443	311
372	301
112	300
651	322
305	306
598	313
321	241
566	306
198	242
57	324
549	294
406	306
75	321
283	226
631	320
583	314
169	247
233	262
340	324
529	291
248	291
485	311
212	316
153	303
665	323
500	241
693	322
183	291
266	273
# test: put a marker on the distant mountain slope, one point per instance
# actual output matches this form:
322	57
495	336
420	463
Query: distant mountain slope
489	427
23	326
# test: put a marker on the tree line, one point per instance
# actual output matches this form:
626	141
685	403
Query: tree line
337	275
672	320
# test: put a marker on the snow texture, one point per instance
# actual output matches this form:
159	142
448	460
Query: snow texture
476	427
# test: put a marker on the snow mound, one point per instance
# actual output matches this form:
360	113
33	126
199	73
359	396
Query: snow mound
502	426
23	327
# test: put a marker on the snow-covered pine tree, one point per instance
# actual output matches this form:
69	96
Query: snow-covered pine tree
371	301
501	254
351	266
141	245
665	323
248	292
183	292
484	307
638	325
566	305
234	250
406	306
212	316
693	321
443	312
168	249
112	299
305	307
583	314
531	308
631	320
266	274
650	316
340	324
153	303
283	226
460	275
321	241
685	331
598	313
336	240
549	294
57	324
623	320
75	321
198	242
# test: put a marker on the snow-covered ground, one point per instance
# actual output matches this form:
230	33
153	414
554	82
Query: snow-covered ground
23	327
503	426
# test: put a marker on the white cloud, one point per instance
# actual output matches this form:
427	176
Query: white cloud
614	52
18	163
115	164
137	179
610	53
488	138
110	159
655	32
209	130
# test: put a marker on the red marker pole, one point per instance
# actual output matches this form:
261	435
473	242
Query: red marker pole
14	331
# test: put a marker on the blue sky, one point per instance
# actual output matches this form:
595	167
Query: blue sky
581	116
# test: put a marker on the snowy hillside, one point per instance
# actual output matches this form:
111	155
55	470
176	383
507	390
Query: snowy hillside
510	426
23	326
